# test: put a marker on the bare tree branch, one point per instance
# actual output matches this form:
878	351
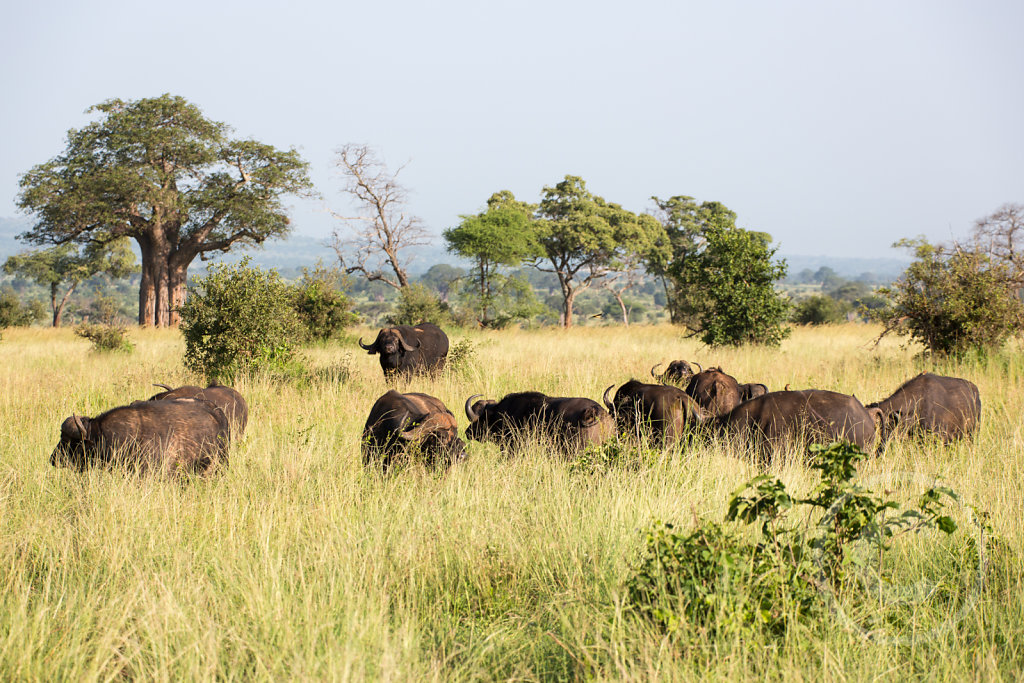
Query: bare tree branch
373	241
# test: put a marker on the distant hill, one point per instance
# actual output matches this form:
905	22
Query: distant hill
885	268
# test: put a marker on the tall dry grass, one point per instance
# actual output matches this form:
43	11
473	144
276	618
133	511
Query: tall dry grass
298	563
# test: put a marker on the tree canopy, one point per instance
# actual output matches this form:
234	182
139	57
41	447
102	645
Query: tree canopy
584	238
69	265
158	171
502	235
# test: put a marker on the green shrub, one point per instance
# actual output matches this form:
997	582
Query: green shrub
953	301
15	313
322	307
716	579
418	304
461	356
819	310
105	337
240	319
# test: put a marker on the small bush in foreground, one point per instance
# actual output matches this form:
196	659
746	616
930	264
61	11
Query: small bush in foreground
105	338
714	579
238	320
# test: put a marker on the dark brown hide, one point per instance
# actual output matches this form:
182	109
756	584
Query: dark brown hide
812	415
225	398
397	421
949	407
570	421
714	391
665	410
406	349
176	436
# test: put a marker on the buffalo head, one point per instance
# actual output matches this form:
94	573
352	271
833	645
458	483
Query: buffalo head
75	443
389	342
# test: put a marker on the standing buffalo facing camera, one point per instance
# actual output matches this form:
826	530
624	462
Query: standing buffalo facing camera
665	410
947	406
398	421
225	398
409	349
570	421
179	436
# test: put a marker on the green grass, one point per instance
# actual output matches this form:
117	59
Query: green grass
297	563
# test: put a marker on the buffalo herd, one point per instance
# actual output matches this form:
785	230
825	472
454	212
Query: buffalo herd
189	429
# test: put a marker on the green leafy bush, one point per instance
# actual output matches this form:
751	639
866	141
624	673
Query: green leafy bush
819	310
953	301
418	304
715	578
322	307
240	319
15	313
105	337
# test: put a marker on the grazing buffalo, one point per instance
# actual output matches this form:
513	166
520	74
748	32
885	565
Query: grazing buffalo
714	391
947	406
810	415
397	421
225	398
666	410
678	371
409	349
177	436
572	422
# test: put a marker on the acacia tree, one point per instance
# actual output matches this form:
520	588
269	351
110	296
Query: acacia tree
69	266
585	238
502	235
158	171
383	229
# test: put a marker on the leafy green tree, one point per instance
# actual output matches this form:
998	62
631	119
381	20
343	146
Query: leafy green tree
68	266
239	319
735	274
418	304
953	300
585	238
685	221
156	170
323	308
501	236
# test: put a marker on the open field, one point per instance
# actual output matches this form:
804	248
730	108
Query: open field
297	563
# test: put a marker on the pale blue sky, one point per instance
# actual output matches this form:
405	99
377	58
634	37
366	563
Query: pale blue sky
838	127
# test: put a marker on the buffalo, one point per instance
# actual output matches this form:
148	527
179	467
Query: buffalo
225	398
184	435
406	349
812	414
667	410
397	421
678	371
717	393
947	406
570	421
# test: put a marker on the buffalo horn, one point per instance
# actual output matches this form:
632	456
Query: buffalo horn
469	411
699	368
162	386
81	427
365	347
608	404
405	345
653	369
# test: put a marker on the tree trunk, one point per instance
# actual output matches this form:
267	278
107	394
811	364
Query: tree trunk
622	305
177	279
147	295
53	304
58	308
567	310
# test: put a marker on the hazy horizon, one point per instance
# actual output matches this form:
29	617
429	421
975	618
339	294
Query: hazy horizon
836	128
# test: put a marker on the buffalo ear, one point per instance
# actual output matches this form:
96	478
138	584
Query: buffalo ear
876	416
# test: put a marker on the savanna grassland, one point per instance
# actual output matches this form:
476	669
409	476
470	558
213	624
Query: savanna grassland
297	563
